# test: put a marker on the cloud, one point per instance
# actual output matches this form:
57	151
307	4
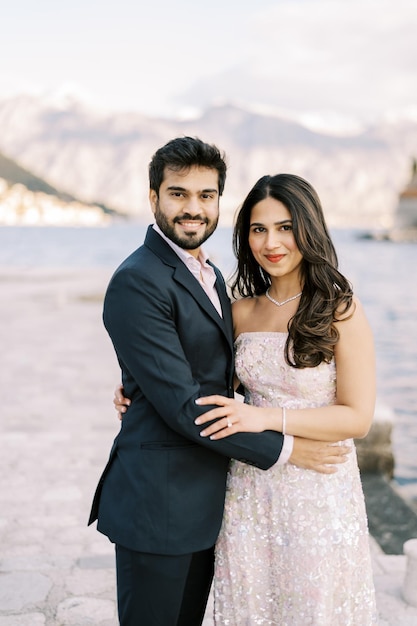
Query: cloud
355	57
351	57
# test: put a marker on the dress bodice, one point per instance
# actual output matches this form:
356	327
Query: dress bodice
270	381
293	548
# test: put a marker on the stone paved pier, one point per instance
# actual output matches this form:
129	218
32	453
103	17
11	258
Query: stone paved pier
57	423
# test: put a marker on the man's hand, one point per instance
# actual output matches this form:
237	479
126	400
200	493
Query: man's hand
320	456
121	403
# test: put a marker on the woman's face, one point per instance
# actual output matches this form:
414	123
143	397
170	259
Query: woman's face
271	238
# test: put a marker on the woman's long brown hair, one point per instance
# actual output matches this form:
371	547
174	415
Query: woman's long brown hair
312	332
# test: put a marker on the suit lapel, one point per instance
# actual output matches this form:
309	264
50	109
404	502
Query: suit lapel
184	277
224	301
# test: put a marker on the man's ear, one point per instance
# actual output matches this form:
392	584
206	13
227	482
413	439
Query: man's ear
153	199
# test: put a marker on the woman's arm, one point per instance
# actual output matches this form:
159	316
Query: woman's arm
351	415
121	403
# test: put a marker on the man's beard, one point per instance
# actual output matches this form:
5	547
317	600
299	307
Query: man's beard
187	241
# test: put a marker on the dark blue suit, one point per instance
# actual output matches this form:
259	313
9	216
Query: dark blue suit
162	491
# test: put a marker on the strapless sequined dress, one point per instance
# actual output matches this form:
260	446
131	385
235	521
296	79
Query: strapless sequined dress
293	549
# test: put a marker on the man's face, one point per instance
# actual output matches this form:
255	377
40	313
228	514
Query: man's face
187	209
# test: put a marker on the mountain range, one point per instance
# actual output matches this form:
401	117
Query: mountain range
102	157
14	174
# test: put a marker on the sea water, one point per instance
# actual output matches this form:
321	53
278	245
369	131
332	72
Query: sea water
383	273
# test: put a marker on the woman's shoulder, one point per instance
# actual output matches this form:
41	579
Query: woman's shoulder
354	308
243	309
244	305
354	319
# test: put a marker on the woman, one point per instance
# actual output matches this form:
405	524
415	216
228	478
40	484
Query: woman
294	547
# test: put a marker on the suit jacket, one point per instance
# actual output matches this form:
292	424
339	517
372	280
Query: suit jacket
163	488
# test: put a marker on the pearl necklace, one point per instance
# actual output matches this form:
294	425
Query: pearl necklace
285	301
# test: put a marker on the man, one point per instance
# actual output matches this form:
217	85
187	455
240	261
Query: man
160	498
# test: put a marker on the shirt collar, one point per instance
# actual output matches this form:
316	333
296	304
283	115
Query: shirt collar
184	255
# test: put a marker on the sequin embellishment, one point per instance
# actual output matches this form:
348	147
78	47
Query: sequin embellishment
293	549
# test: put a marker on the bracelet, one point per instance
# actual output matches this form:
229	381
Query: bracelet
284	420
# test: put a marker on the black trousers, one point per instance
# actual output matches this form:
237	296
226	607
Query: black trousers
161	590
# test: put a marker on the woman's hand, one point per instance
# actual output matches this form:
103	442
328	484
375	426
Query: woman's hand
121	403
232	416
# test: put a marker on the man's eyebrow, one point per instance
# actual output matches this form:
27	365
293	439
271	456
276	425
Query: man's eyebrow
178	188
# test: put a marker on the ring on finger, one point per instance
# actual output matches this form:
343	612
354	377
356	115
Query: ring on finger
229	424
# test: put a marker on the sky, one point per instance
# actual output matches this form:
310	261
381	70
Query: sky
343	61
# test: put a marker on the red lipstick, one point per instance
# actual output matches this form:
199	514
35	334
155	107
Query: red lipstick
274	258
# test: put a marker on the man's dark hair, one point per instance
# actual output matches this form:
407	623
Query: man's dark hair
183	153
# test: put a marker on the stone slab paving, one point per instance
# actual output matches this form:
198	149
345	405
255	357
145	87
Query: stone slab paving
57	423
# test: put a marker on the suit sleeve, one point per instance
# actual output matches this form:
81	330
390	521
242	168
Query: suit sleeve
139	319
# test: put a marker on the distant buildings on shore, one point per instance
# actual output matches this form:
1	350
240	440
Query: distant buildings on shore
405	217
21	207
